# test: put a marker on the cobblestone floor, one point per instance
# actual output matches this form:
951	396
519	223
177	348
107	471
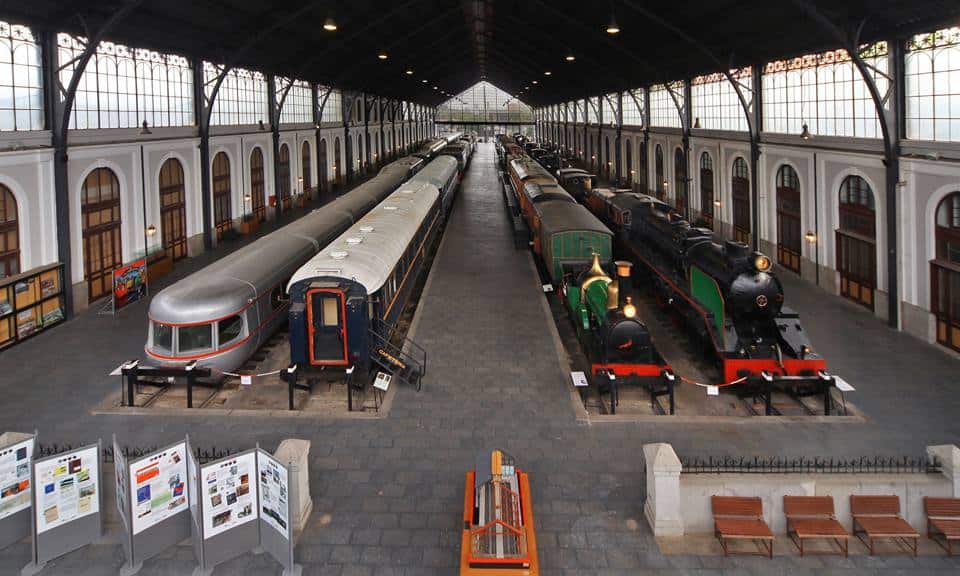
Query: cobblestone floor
388	493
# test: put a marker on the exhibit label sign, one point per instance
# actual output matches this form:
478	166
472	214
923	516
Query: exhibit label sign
15	477
158	487
67	488
274	493
229	494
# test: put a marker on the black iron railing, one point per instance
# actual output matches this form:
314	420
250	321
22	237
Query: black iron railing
816	465
203	455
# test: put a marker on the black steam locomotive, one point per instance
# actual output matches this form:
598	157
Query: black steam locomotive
726	293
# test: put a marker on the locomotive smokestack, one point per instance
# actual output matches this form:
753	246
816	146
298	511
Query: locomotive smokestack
624	269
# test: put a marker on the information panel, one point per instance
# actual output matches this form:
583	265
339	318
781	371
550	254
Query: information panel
67	488
228	494
158	487
274	493
15	477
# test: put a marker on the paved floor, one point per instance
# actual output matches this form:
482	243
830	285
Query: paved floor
388	493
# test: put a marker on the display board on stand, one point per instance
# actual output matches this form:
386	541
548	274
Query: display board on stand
276	530
157	504
67	504
16	456
227	491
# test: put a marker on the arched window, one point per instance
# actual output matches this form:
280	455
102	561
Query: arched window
706	190
660	185
945	272
9	234
305	163
680	180
740	188
629	155
100	216
789	238
283	173
336	161
173	209
257	187
856	241
222	213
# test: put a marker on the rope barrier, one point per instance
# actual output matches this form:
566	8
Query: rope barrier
701	384
235	375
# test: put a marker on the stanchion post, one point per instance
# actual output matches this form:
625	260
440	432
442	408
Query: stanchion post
291	378
190	378
129	371
670	379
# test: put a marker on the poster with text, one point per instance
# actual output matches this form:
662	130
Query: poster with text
67	487
273	493
228	494
158	487
123	482
15	477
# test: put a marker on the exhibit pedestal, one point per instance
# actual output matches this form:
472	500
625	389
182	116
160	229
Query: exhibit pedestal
295	454
32	569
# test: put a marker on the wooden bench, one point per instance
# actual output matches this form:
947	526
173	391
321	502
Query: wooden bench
878	517
812	517
943	521
741	518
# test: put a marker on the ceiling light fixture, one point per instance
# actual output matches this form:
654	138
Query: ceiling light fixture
547	73
329	25
409	71
382	55
612	27
570	57
536	81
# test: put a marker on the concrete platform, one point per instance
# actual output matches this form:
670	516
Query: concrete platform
387	492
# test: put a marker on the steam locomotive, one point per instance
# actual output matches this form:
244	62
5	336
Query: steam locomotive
726	294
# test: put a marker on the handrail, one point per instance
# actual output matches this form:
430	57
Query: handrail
385	332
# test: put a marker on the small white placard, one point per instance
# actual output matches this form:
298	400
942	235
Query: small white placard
548	288
842	385
713	390
382	382
246	379
579	379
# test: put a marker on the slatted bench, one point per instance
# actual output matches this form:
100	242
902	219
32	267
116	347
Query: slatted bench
943	521
812	517
878	517
741	518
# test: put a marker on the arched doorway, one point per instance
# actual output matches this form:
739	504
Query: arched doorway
788	218
306	169
740	190
100	215
680	181
257	187
9	234
173	209
384	156
369	151
857	241
661	183
377	160
283	175
706	190
643	180
222	192
336	162
361	165
629	154
323	166
592	155
945	272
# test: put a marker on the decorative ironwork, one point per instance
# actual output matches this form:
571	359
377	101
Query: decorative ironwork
664	105
716	102
242	98
20	79
806	465
203	455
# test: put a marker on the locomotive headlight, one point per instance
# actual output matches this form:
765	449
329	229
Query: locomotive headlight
761	263
629	310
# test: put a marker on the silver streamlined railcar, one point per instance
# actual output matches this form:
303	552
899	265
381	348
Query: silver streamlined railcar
221	314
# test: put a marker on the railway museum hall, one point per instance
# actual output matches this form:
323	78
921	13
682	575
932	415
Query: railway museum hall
479	287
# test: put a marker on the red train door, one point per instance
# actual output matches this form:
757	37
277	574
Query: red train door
327	327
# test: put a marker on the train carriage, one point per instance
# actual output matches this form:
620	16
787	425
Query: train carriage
569	237
363	278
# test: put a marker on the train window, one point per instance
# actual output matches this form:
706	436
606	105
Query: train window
229	330
331	311
162	336
194	338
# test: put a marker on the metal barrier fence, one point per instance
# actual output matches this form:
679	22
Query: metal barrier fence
203	455
804	465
